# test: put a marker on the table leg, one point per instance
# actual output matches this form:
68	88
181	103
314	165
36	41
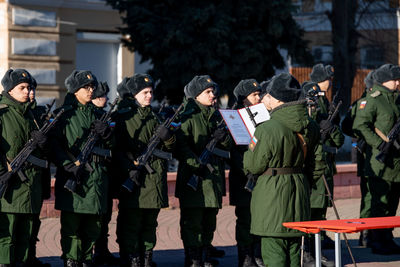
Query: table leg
317	250
338	251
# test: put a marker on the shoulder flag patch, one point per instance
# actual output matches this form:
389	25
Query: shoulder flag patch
362	104
253	143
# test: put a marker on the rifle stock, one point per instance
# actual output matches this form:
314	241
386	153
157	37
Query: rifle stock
151	149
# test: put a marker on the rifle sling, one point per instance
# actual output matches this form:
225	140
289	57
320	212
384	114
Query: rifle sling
381	135
279	171
303	144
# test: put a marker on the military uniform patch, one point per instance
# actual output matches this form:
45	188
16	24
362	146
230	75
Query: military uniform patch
362	104
253	143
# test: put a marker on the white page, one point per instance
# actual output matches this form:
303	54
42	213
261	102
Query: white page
236	126
260	114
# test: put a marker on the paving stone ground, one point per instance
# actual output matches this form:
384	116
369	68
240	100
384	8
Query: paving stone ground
169	248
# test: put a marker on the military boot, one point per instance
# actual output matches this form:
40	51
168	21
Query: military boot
87	263
383	243
5	265
257	253
245	257
71	263
208	259
148	259
193	257
364	239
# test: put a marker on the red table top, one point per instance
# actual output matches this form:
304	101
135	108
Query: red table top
345	225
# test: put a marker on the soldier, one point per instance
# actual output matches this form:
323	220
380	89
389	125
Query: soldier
82	207
38	112
20	202
281	153
102	256
331	139
199	207
140	201
246	93
347	128
374	119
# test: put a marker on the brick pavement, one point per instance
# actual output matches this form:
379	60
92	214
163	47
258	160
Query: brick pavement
169	249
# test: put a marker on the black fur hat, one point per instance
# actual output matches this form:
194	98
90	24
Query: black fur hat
14	77
321	73
368	80
78	79
135	84
285	88
101	90
245	88
197	85
386	72
264	88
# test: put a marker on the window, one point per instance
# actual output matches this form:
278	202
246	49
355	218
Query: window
323	54
371	57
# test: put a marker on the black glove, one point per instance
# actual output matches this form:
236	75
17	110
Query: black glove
74	169
101	128
4	178
134	175
202	171
39	138
163	133
219	134
326	126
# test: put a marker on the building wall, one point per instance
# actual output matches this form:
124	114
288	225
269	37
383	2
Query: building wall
41	36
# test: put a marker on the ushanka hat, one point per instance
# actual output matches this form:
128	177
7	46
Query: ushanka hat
14	77
79	79
197	85
386	72
264	88
321	73
101	90
368	80
284	87
245	88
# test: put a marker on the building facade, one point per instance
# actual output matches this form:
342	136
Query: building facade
50	38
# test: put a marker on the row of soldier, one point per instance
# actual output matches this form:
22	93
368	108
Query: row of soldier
289	157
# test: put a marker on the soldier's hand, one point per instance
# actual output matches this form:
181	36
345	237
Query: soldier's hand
101	128
326	126
163	133
74	169
134	175
39	138
219	134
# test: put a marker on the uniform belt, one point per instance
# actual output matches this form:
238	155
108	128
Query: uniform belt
278	171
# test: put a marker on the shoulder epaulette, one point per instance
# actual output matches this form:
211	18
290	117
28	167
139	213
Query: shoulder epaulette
375	94
124	110
3	106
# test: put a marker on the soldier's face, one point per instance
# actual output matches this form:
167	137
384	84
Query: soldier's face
84	94
100	102
31	94
391	85
325	85
20	92
144	97
207	97
252	99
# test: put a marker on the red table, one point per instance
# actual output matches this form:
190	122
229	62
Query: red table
341	226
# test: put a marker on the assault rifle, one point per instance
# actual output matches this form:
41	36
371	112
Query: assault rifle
15	166
205	158
392	137
88	148
331	116
142	160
